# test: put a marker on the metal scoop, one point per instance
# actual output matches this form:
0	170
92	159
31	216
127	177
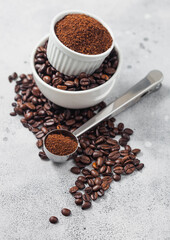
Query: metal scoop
149	84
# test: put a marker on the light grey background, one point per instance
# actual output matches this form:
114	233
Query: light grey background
32	190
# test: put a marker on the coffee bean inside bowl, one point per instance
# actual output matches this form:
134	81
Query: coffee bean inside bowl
74	83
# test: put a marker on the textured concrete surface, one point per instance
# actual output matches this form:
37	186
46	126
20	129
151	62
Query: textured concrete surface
32	190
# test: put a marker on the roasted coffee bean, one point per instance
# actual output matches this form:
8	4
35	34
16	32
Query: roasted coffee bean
75	170
100	161
91	182
107	179
13	114
116	177
88	151
53	219
86	197
114	155
123	141
85	171
28	115
136	151
111	141
98	181
80	184
78	201
100	193
36	91
110	71
78	195
97	154
94	173
47	79
94	196
66	212
102	169
82	179
96	188
128	131
73	189
39	134
105	185
94	165
129	168
70	122
118	170
43	156
88	190
86	205
120	127
85	159
136	162
140	166
39	143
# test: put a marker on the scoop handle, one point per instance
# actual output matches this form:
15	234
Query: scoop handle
150	83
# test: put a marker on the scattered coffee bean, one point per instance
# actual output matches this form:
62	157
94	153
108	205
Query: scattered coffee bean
66	212
86	205
53	219
75	170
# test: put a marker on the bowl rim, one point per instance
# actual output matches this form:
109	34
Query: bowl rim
82	92
88	57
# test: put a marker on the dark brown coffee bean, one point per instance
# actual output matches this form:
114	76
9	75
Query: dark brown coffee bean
94	173
105	185
129	168
128	148
98	181
96	188
100	161
78	201
73	189
13	114
28	115
43	156
116	177
39	134
53	219
110	71
66	212
114	155
36	91
69	83
82	179
94	196
39	143
94	165
108	179
47	79
88	151
97	154
75	170
80	184
136	162
102	169
85	159
88	190
123	141
86	205
30	105
86	197
136	151
84	82
140	166
100	193
78	195
120	127
91	182
111	141
118	170
128	131
85	171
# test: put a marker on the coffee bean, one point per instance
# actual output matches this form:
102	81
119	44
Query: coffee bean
140	166
79	201
110	71
129	168
66	212
70	122
85	159
105	185
39	143
84	82
128	131
98	181
136	151
85	171
43	156
100	193
73	189
86	205
100	161
94	173
123	141
36	91
88	190
28	115
102	169
13	114
78	195
94	196
53	219
91	182
97	154
116	177
79	184
88	151
75	170
82	179
47	79
86	197
96	188
118	170
94	165
120	127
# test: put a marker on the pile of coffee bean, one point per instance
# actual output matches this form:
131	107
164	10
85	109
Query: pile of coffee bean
104	148
74	83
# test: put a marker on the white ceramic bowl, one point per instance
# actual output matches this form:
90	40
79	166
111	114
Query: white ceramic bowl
75	99
68	61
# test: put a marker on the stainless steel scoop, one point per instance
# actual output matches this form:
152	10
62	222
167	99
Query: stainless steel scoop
149	84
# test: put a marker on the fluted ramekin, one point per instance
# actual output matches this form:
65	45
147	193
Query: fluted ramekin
71	62
75	99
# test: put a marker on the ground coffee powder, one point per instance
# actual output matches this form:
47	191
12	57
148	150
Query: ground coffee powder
83	34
